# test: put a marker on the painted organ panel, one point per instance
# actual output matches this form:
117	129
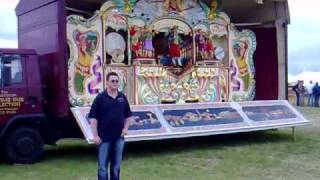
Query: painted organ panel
167	51
85	62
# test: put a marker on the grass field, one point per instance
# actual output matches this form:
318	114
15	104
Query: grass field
260	155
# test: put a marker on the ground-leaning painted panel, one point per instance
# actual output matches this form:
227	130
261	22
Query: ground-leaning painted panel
201	119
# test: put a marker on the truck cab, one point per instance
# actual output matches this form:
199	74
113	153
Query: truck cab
22	121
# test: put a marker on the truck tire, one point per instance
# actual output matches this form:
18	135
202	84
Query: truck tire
2	152
24	145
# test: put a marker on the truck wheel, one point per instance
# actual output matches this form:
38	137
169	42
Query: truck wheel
24	145
2	152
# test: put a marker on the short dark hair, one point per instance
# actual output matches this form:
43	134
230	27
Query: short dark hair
111	74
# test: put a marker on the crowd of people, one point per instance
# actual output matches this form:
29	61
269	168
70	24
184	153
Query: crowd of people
311	91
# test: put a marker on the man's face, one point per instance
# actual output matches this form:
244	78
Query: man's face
113	82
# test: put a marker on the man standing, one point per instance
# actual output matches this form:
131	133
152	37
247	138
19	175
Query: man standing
316	94
310	95
299	90
109	117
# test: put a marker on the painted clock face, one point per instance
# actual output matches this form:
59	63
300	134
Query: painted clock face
117	48
219	53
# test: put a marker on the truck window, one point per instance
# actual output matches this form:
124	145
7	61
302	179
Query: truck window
10	70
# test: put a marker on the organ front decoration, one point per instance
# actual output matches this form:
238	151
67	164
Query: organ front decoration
166	51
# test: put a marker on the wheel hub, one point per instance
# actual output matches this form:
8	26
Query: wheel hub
25	146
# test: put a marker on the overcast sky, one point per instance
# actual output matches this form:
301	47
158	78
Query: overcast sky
304	36
304	33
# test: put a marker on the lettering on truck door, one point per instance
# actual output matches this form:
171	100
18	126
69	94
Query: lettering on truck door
13	87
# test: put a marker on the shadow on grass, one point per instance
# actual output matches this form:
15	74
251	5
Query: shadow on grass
168	146
147	148
79	150
70	149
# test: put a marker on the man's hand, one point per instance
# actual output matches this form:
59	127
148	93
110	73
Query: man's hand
97	140
124	132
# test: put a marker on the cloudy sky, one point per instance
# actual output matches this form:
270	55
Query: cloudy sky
304	36
304	33
8	23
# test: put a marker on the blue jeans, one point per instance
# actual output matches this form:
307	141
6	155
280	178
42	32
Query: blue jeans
110	151
310	100
298	99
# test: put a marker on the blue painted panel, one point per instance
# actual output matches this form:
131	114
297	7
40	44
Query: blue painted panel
144	120
270	112
202	117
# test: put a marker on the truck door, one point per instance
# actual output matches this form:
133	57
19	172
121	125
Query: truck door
13	87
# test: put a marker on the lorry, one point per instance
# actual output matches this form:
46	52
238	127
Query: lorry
28	120
34	102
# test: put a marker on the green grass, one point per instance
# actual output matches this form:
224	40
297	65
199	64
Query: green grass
259	155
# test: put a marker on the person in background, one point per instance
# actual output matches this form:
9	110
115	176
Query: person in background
299	90
316	94
310	96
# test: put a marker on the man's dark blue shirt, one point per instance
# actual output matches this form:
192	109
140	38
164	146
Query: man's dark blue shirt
111	114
